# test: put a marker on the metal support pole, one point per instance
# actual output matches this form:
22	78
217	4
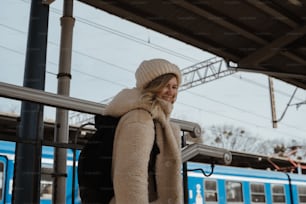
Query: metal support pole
272	101
185	172
28	155
61	124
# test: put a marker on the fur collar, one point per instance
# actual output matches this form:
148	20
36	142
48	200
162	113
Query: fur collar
129	99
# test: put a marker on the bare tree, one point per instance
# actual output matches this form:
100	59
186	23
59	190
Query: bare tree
237	139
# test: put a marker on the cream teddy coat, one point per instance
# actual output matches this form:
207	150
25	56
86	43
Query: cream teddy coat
133	143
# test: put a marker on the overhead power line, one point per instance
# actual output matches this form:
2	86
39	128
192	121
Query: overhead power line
138	40
188	105
129	37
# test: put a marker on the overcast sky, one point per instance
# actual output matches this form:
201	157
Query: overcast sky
106	53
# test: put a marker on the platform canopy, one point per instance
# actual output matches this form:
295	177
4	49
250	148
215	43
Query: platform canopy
265	36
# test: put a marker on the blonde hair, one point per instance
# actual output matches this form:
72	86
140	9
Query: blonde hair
149	93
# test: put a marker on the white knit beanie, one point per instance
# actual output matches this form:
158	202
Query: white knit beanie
151	69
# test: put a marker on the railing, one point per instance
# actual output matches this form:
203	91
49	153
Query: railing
70	103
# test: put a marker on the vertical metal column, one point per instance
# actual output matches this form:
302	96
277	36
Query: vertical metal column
28	155
185	172
272	102
62	126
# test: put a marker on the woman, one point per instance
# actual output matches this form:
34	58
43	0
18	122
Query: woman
145	118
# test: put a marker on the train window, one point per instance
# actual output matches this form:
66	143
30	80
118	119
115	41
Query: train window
302	194
258	193
278	193
234	191
1	180
46	183
210	191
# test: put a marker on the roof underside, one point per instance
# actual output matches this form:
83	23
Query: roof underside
260	36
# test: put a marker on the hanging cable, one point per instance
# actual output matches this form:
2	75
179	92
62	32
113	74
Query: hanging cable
212	166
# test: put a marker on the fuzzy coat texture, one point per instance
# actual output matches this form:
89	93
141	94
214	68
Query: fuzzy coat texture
133	143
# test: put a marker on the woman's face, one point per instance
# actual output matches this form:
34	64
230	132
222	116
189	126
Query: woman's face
169	91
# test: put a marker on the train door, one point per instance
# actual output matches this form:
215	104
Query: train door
3	165
46	185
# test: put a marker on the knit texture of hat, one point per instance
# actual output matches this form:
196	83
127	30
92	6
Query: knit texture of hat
148	70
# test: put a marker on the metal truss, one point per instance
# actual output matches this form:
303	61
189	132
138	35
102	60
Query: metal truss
195	75
204	72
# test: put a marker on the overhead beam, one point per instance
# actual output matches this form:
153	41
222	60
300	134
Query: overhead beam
291	78
274	47
294	57
116	8
237	29
279	73
292	81
263	6
218	20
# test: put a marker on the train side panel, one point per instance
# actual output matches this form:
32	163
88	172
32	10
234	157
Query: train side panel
227	185
7	155
234	185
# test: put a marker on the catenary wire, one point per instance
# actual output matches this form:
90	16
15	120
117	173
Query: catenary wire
99	78
98	27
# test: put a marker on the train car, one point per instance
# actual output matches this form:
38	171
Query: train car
234	185
7	155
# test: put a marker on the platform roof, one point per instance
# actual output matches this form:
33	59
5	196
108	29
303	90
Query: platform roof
266	36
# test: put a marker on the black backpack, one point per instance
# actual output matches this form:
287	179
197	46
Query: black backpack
95	163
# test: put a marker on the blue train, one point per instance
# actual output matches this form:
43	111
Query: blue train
230	185
235	185
7	155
